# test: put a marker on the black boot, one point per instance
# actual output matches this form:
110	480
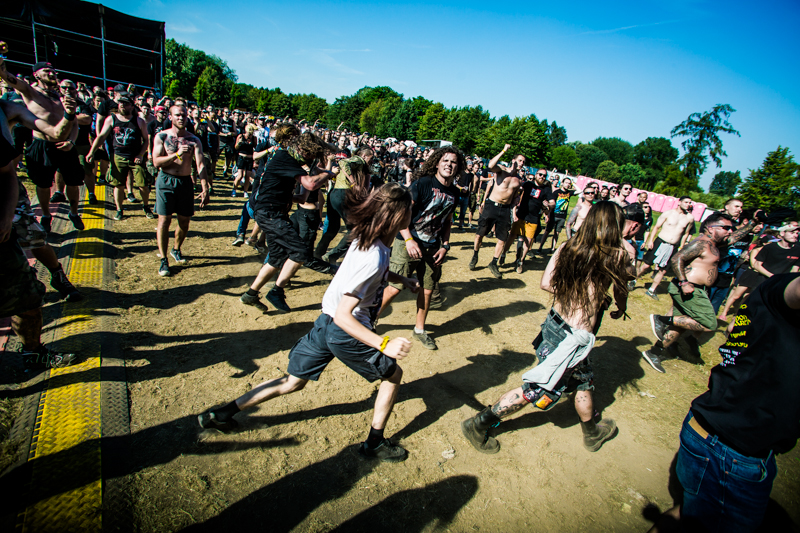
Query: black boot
476	430
594	435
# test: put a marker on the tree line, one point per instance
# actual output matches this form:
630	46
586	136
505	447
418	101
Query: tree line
653	164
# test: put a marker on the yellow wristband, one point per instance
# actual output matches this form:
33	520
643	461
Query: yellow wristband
384	343
409	239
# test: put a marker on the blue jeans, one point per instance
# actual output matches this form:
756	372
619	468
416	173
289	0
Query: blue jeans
463	205
717	296
723	490
247	214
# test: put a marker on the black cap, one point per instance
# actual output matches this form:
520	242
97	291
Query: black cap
119	87
40	65
634	213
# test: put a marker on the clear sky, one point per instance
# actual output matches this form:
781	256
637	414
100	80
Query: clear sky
613	69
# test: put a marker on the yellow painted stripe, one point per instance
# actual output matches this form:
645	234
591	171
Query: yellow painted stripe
69	414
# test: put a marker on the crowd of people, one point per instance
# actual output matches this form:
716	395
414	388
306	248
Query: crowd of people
399	204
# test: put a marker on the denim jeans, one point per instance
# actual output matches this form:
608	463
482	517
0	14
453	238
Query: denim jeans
463	204
244	221
723	490
717	296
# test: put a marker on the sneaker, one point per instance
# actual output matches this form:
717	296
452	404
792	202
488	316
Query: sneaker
57	197
495	271
62	284
118	215
519	267
386	452
473	263
47	222
605	430
238	241
651	294
43	358
659	328
92	199
246	195
176	255
480	440
631	285
261	248
251	242
654	360
148	213
277	297
694	346
438	302
132	199
425	340
248	299
208	420
163	270
77	223
225	174
233	193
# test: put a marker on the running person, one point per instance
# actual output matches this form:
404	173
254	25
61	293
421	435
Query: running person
227	139
129	143
536	197
579	275
502	192
345	329
558	217
420	248
673	229
173	151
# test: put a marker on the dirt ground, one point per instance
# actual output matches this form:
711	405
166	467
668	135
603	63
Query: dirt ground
189	345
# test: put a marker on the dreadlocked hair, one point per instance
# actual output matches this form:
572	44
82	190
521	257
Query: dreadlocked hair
359	180
384	209
591	261
307	145
429	167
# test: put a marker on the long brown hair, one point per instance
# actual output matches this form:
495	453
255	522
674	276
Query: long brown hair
383	210
360	176
591	260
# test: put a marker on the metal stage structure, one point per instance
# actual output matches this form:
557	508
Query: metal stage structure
84	41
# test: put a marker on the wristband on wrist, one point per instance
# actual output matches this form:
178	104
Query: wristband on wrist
68	116
409	239
384	343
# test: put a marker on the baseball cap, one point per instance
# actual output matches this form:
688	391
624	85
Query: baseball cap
124	98
119	87
40	65
160	108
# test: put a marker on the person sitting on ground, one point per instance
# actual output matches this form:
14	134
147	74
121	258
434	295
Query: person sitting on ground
346	328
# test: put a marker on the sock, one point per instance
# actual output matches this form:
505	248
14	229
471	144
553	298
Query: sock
589	428
418	331
226	412
55	270
374	438
494	261
665	319
251	292
475	254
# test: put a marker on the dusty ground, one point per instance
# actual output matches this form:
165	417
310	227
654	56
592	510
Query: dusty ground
190	345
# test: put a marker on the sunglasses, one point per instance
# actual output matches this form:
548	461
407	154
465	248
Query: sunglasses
726	228
589	192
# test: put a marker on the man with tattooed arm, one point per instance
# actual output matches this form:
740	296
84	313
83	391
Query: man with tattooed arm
696	268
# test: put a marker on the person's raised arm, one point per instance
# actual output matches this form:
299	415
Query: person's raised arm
13	82
18	113
492	166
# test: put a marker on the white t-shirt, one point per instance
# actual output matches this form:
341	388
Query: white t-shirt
363	274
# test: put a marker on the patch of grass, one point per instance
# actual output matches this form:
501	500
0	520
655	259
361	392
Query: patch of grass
9	411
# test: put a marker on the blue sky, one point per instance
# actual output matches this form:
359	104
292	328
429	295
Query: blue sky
624	69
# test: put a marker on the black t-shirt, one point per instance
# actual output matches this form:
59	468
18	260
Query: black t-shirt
779	260
86	129
753	398
648	223
465	181
227	129
434	203
278	182
483	173
533	197
562	198
155	127
126	137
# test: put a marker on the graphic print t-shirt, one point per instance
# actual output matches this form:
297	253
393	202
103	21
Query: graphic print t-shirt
433	205
533	197
562	198
363	275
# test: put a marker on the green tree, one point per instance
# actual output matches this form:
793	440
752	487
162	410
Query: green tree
703	142
776	184
211	87
280	104
310	107
607	171
725	183
713	201
464	126
565	159
655	152
369	117
676	183
556	135
431	125
405	122
590	156
618	150
634	174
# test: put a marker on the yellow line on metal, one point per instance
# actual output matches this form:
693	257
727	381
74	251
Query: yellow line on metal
69	414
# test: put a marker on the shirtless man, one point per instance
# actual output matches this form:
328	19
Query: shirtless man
568	333
173	150
674	226
580	211
695	266
46	155
497	209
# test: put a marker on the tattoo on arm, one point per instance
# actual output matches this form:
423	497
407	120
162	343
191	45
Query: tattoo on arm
686	255
741	232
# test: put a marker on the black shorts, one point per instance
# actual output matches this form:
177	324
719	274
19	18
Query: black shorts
174	195
229	147
312	353
245	163
282	238
7	152
43	159
556	223
497	216
21	136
